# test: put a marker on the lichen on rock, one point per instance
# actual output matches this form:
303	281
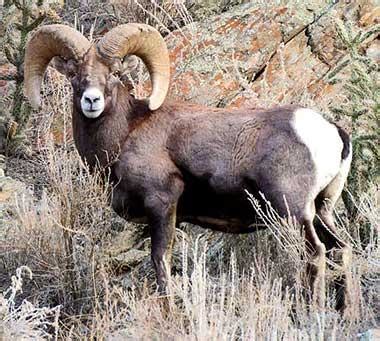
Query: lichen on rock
262	55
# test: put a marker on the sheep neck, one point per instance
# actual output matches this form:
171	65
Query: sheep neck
100	141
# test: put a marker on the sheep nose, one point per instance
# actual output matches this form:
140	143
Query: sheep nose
91	99
92	102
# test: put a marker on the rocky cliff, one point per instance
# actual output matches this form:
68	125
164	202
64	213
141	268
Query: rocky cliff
260	55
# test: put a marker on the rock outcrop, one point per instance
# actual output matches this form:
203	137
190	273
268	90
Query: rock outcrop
260	56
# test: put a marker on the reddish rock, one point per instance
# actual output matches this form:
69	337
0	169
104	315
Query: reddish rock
216	59
373	51
369	13
263	56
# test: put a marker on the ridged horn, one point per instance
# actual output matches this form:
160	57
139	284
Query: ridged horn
47	42
147	43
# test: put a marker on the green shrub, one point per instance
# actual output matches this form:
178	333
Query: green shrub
361	105
20	17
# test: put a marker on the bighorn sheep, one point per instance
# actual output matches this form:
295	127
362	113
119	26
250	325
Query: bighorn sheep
174	161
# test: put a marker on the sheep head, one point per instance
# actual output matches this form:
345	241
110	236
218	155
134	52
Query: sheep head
91	68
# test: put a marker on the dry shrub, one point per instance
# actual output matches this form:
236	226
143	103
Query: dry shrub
166	16
25	321
58	236
52	124
96	17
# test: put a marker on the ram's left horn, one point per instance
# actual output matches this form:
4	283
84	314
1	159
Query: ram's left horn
147	43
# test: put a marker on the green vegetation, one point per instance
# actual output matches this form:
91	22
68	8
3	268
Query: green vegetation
361	105
20	17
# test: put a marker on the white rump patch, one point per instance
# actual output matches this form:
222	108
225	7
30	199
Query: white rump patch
92	102
324	143
343	173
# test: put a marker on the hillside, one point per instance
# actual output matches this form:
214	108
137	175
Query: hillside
70	268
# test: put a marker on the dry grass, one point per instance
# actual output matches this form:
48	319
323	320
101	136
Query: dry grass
229	305
224	287
25	321
57	231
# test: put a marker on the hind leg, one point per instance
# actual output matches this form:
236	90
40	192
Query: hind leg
317	265
338	251
316	268
336	247
303	209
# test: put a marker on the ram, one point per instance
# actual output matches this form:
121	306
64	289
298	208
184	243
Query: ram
171	161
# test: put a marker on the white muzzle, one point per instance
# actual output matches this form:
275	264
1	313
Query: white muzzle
92	103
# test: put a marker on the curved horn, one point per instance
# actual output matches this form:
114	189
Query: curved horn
147	43
47	42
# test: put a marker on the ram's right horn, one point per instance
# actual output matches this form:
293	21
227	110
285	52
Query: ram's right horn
47	42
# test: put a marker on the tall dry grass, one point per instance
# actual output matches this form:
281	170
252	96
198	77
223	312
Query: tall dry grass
25	321
223	287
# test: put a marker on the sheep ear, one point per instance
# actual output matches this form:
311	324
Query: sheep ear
116	66
69	67
129	70
130	64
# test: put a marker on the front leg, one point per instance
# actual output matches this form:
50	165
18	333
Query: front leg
158	183
162	220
